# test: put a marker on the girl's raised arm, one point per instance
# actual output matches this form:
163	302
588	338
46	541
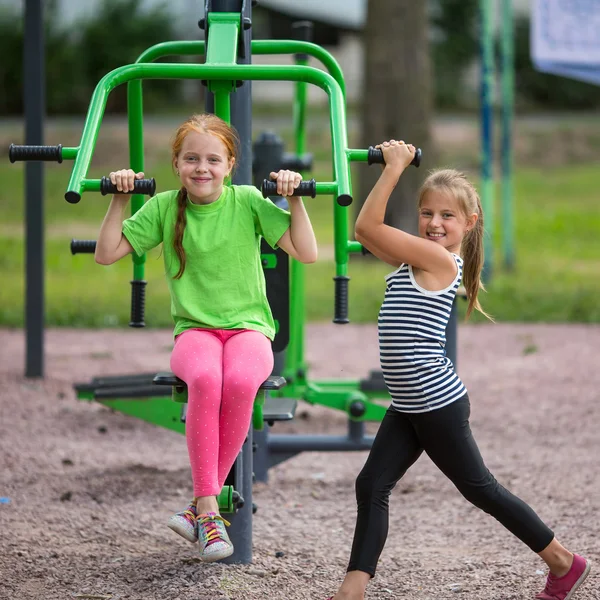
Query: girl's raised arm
382	240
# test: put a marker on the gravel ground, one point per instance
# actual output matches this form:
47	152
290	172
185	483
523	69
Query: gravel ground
86	491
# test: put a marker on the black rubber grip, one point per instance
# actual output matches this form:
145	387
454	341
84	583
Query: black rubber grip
138	303
306	188
375	156
49	153
140	186
303	31
341	299
83	246
294	162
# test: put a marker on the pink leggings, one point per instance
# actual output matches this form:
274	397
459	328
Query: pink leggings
223	369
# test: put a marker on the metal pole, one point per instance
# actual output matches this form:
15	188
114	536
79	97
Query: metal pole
34	100
487	82
304	31
508	250
241	118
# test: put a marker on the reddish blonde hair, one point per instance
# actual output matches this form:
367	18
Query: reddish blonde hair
201	123
459	187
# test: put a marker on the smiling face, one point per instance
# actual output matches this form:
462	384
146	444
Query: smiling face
442	221
202	165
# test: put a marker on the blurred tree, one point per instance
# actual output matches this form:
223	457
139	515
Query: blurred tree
454	47
11	71
116	35
397	99
79	55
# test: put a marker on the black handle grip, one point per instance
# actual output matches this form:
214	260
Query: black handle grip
83	246
303	31
294	162
375	156
140	186
306	188
341	299
138	303
35	153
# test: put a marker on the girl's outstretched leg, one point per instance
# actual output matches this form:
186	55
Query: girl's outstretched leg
446	436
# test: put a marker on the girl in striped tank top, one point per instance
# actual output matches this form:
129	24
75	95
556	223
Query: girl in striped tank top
430	406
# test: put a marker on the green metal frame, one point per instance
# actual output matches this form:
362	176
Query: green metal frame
222	72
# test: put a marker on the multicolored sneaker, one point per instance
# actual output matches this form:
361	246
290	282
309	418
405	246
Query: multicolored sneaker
563	588
212	537
184	523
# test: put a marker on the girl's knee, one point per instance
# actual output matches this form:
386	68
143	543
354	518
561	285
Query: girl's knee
204	381
367	490
241	389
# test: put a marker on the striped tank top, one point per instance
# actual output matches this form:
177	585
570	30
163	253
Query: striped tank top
412	340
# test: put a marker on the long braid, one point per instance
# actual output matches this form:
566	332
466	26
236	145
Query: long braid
179	230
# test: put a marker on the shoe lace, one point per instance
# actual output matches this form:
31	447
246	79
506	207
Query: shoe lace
189	515
550	583
211	528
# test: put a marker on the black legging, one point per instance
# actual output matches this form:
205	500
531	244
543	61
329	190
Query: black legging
445	435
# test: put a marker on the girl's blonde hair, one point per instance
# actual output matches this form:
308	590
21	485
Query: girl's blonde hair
201	123
457	184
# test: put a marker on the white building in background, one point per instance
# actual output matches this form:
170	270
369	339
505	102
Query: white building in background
347	16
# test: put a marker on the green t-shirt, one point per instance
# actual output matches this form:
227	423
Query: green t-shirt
223	285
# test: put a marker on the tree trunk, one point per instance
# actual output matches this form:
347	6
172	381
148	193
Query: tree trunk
397	97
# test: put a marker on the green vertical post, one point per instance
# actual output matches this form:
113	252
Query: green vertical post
508	253
486	86
135	115
222	49
295	351
223	105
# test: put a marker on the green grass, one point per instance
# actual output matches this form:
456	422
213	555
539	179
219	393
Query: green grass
555	279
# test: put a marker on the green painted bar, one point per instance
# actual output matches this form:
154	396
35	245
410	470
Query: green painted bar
355	155
69	153
223	39
487	135
508	98
354	247
222	103
90	185
135	112
294	355
243	72
193	48
158	411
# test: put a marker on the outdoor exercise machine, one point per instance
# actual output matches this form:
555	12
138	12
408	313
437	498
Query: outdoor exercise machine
227	50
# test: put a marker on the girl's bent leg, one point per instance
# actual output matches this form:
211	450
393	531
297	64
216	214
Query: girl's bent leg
247	363
197	358
394	450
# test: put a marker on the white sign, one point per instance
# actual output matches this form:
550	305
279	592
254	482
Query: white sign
565	38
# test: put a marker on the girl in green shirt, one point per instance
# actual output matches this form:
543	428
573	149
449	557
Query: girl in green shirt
223	323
